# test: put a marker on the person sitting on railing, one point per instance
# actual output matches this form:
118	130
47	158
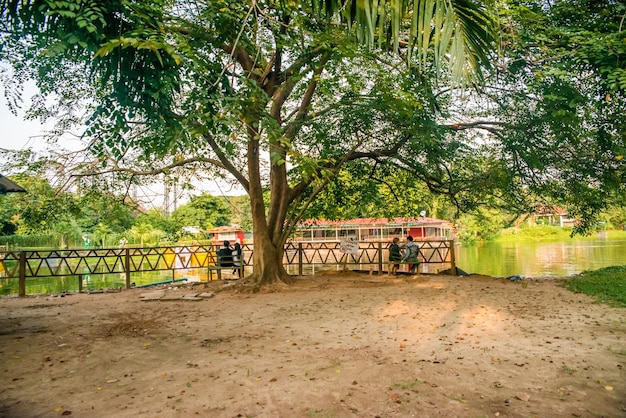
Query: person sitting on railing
225	255
411	250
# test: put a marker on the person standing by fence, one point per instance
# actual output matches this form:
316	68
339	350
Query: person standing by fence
411	250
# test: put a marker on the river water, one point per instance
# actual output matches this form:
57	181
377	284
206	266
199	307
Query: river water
541	259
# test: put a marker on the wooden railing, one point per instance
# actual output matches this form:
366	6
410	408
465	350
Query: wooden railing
372	256
433	255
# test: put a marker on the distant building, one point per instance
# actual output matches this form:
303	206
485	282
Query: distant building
552	215
191	229
374	229
226	233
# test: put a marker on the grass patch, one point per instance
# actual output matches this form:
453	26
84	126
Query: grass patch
568	370
552	233
318	413
334	363
407	385
614	234
535	233
607	284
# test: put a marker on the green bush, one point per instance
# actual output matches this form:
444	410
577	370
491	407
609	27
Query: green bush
29	241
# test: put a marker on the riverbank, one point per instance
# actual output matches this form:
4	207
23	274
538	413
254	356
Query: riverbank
338	344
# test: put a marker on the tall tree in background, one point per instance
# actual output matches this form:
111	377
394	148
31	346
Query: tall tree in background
204	211
560	102
239	85
45	210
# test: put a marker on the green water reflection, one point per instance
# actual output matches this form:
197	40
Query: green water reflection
47	285
541	259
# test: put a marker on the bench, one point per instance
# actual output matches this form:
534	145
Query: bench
218	263
217	268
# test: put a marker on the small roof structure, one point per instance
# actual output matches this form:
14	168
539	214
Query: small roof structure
226	233
7	186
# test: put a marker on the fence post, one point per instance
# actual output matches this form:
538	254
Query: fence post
22	274
300	250
80	283
241	266
176	254
127	266
452	258
380	258
210	260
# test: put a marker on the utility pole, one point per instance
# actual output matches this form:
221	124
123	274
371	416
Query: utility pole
166	198
174	196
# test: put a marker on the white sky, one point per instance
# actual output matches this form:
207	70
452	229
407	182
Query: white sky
17	134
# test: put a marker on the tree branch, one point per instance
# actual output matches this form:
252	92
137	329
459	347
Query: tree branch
294	126
117	169
225	162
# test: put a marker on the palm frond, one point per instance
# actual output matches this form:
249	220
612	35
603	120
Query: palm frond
459	33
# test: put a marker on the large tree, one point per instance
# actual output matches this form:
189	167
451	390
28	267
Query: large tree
560	102
271	92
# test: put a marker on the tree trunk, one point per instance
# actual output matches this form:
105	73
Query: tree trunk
268	261
268	253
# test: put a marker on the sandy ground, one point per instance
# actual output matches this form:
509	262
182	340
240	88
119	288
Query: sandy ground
332	345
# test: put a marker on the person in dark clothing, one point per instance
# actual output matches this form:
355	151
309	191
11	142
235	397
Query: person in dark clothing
225	255
394	255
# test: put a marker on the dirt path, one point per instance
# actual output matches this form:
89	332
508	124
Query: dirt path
333	345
